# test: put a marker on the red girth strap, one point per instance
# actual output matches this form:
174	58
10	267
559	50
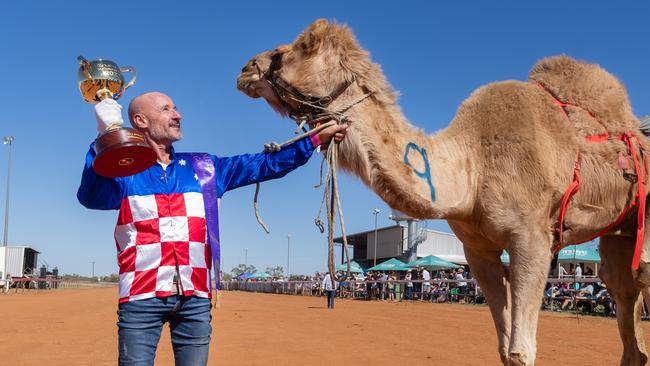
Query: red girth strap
639	167
573	189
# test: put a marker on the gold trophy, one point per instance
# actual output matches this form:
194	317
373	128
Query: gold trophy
120	151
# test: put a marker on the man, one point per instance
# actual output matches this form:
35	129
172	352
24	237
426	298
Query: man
382	286
409	285
330	289
460	277
161	233
578	276
426	285
417	286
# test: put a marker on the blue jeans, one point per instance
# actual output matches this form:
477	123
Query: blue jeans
331	294
140	323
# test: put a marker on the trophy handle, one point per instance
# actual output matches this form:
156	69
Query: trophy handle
85	66
134	75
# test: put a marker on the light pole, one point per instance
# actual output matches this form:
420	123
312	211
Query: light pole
92	269
288	246
8	140
375	212
245	258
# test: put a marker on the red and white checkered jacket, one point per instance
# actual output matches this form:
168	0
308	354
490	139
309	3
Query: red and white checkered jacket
161	229
154	235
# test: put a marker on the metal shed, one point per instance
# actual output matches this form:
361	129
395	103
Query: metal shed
18	261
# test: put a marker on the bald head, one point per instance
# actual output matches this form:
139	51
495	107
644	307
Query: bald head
143	103
155	114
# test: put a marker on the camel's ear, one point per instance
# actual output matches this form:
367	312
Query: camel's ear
312	38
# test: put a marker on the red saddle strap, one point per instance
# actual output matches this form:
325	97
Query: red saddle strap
639	168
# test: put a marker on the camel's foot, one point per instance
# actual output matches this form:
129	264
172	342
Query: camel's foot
518	359
642	275
637	359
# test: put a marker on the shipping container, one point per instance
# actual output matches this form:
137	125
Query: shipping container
18	261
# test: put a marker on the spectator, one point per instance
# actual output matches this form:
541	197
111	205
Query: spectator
578	275
426	285
343	288
369	286
462	285
441	275
391	286
382	286
440	293
602	298
417	286
409	285
586	292
330	288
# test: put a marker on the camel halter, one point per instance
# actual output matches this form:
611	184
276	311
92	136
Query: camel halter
639	177
309	108
313	111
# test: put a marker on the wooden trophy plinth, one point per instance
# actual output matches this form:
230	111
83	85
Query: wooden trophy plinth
122	152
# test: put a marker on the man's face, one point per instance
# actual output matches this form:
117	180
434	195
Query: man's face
164	121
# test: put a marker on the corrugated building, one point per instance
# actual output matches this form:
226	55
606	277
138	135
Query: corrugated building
18	260
392	243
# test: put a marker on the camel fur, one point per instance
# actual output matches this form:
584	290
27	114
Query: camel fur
497	173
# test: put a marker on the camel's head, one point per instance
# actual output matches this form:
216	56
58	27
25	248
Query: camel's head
318	66
252	79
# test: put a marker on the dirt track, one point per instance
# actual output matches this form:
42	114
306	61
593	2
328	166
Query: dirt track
77	327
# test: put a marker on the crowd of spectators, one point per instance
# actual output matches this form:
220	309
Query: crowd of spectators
572	290
418	284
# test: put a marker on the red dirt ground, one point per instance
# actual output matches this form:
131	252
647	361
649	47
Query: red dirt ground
77	327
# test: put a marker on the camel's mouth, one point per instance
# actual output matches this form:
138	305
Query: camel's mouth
246	83
254	80
254	84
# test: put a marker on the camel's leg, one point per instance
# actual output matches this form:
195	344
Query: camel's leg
530	259
492	276
616	254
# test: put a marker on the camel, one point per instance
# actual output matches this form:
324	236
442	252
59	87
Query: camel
497	173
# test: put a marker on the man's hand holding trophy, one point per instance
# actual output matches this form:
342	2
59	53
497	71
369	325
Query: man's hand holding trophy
120	151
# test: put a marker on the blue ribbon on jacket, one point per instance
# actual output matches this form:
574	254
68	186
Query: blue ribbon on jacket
204	169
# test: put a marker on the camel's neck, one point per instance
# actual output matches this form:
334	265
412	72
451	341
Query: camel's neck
423	176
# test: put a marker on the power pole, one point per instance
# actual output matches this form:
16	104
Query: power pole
92	269
288	247
375	212
8	140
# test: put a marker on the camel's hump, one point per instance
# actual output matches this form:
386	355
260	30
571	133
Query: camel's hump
588	86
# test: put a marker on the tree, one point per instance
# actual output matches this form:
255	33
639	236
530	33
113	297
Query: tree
276	271
242	268
113	277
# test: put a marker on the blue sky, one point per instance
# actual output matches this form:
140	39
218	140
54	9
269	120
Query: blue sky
434	53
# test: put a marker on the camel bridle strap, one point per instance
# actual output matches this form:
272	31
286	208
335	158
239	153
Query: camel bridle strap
632	143
330	196
305	107
314	111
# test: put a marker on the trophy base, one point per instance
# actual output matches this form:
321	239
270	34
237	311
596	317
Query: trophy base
122	152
